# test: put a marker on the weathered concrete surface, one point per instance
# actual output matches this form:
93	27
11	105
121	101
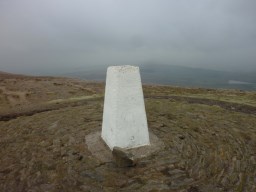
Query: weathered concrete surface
124	117
97	147
123	158
100	150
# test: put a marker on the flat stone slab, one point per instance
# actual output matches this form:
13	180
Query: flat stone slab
102	152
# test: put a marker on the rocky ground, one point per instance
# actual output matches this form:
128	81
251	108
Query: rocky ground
209	137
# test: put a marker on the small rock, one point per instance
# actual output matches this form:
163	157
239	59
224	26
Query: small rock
175	173
80	157
162	125
123	158
193	189
181	137
92	175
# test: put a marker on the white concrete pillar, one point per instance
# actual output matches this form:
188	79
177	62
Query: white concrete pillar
124	117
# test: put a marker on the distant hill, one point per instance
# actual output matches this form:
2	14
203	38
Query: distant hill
181	76
4	75
197	77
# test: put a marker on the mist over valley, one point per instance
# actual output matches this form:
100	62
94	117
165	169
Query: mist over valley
179	76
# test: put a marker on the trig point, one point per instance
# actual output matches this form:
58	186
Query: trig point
124	117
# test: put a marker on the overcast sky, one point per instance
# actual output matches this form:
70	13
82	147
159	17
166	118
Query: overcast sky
68	35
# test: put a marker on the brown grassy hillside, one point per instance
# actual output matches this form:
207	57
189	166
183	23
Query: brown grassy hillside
209	137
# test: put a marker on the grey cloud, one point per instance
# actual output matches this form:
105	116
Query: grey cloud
63	35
